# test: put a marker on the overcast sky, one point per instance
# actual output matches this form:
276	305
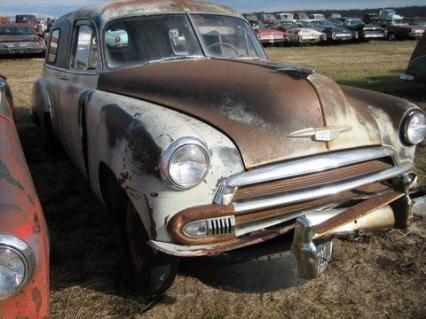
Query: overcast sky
60	7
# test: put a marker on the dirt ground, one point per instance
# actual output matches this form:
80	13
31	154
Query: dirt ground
371	276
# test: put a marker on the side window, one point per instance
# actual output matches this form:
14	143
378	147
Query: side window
86	55
53	47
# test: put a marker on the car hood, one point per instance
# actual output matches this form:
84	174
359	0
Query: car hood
258	105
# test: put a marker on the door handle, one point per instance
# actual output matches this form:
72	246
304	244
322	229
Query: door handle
63	77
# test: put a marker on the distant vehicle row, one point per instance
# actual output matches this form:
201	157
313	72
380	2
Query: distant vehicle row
336	29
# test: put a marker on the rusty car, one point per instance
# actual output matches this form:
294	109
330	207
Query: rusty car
201	145
416	70
20	38
24	250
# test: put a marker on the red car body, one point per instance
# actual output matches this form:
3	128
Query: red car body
21	218
270	36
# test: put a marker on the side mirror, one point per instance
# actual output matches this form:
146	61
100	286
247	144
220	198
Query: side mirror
117	39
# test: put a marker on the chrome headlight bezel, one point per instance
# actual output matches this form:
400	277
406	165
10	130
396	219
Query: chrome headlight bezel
406	125
171	151
25	253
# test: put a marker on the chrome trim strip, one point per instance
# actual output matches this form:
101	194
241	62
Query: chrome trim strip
297	167
311	194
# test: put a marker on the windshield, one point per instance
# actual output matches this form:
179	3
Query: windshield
158	38
227	37
15	31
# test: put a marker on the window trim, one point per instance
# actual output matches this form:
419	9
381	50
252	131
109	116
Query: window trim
74	41
57	48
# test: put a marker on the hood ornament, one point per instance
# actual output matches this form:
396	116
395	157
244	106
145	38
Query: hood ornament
321	134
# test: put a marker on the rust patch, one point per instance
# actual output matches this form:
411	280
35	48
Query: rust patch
145	154
152	228
237	98
5	175
36	225
36	297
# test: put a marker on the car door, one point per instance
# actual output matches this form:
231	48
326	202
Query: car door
76	86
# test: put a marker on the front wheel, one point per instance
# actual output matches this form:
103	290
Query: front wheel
151	273
392	36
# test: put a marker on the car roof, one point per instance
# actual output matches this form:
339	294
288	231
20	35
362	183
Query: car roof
105	12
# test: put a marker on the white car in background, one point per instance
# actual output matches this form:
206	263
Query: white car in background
303	32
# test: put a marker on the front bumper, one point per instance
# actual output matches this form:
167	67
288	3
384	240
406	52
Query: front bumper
368	35
342	37
309	39
272	41
21	50
407	77
387	211
416	35
258	205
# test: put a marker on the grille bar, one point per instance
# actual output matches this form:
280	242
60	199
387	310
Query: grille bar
314	193
299	167
311	180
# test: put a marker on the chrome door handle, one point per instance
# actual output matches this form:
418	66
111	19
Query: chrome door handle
63	77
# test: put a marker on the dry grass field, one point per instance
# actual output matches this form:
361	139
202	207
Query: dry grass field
371	276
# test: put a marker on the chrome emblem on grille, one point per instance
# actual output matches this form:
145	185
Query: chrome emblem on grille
321	134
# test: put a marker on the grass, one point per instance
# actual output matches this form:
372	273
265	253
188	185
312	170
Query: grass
371	276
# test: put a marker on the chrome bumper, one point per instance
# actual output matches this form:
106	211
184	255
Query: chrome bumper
395	210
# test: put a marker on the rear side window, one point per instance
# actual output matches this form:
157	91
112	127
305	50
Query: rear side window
86	56
53	47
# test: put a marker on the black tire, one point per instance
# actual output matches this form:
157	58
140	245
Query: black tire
50	140
392	36
150	273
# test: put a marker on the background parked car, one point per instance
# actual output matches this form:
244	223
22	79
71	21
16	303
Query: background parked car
402	29
270	36
389	14
26	18
333	32
360	30
24	256
416	70
17	38
316	16
303	32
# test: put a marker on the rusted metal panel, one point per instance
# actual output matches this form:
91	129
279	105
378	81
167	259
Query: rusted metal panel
119	9
356	212
362	130
21	216
216	249
198	213
311	180
237	98
389	112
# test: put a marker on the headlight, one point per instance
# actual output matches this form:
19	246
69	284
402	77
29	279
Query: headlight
16	265
414	128
185	163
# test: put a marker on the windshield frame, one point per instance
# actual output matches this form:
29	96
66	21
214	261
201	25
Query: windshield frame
189	15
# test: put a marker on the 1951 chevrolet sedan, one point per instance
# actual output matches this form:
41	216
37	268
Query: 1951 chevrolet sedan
185	129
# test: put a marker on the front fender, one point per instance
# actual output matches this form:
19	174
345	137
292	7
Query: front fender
40	100
129	136
389	112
